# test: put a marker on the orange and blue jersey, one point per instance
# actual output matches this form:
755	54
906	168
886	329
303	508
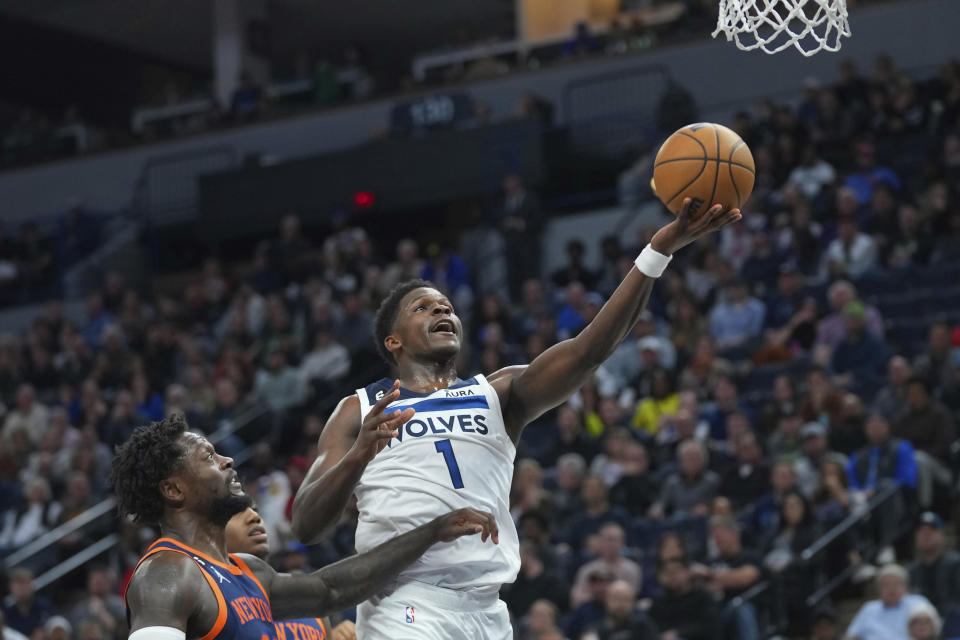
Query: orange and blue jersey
243	605
305	629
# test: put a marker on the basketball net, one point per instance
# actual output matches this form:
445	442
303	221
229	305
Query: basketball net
774	25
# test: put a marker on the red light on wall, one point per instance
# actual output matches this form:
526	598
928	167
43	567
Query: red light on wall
363	199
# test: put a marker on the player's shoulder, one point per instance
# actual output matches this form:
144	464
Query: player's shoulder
164	574
506	373
374	391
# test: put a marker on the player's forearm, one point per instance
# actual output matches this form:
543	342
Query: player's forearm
348	582
616	319
322	498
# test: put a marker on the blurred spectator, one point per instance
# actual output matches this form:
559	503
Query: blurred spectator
736	321
622	618
534	582
597	511
449	273
611	546
541	620
29	415
732	571
636	489
832	329
812	174
748	478
38	514
816	451
279	385
575	269
891	399
852	254
934	364
912	244
765	516
520	222
868	173
689	490
825	625
25	610
887	617
935	573
798	531
662	401
859	358
328	361
928	426
98	318
407	266
683	610
590	612
884	459
101	603
925	422
924	623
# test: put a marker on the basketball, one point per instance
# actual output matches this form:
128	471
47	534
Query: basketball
706	162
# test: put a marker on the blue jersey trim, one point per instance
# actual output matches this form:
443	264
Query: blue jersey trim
445	404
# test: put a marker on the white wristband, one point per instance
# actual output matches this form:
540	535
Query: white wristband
157	633
651	262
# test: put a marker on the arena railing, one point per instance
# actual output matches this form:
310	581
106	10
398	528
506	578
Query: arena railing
884	497
77	560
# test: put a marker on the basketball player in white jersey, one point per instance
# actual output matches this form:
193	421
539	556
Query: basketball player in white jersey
429	442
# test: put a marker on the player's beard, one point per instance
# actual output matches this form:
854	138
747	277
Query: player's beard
224	508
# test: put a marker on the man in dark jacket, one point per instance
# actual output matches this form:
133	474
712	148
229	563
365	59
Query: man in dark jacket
929	427
623	619
935	573
682	610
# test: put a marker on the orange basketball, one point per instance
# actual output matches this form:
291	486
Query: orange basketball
707	162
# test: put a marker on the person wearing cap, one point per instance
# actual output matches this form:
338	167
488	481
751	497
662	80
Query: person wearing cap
924	623
57	628
859	360
935	571
852	253
886	618
815	445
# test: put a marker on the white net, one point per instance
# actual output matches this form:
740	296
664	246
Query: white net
774	25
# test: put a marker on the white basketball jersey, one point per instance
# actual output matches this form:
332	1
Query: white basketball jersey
454	453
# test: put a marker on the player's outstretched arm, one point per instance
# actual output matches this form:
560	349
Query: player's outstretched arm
353	580
559	371
345	448
166	592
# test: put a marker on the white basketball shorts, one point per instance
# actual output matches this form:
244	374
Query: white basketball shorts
416	610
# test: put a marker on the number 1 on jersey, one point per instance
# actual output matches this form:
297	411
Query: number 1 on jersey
446	448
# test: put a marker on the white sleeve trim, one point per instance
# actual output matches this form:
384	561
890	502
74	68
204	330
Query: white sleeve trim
158	633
